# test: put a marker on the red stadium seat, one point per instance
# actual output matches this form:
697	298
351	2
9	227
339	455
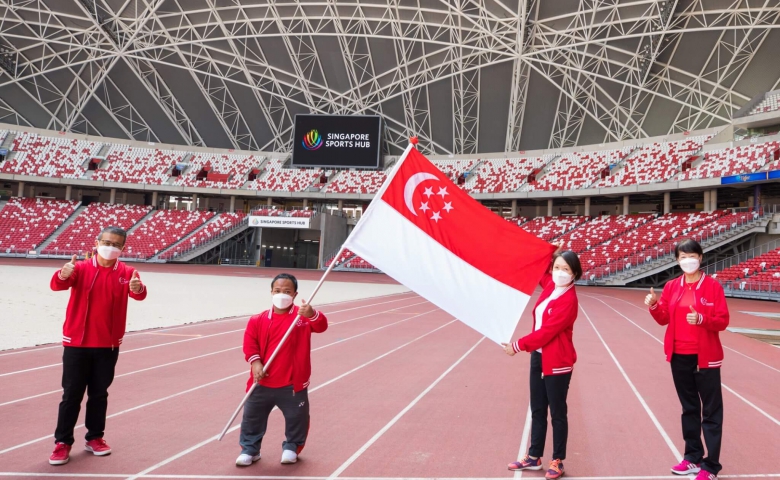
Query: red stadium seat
26	223
80	235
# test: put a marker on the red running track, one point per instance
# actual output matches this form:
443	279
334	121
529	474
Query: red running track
399	390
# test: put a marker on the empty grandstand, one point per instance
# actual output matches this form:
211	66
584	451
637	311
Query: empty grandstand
618	144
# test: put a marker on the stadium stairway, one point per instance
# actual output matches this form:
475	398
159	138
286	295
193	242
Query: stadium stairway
203	247
141	221
61	228
157	259
758	225
8	141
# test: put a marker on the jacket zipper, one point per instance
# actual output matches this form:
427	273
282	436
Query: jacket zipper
86	315
695	302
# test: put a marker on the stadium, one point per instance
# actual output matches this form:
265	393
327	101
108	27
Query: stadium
234	141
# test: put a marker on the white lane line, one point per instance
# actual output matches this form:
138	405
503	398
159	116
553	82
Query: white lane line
524	440
121	352
292	477
205	355
126	374
230	319
747	402
403	412
188	340
593	296
379	313
145	473
137	407
243	372
641	399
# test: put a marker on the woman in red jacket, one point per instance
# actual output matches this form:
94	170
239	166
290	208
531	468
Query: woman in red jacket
694	309
552	361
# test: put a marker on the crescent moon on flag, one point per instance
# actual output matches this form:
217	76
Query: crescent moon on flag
411	184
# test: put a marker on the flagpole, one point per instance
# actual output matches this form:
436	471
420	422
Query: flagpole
278	347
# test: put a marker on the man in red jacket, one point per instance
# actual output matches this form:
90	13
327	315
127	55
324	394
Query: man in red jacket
93	331
285	383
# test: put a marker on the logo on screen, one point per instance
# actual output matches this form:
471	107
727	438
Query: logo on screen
312	140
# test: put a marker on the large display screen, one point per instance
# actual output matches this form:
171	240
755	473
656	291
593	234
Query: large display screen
337	141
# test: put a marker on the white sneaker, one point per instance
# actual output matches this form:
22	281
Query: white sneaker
245	460
288	456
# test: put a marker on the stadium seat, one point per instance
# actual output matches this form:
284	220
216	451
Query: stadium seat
549	228
79	237
26	223
733	161
235	166
278	179
770	103
576	170
648	241
162	230
128	164
221	225
504	174
653	163
356	181
600	229
40	156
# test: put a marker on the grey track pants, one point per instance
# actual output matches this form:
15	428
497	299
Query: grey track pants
294	407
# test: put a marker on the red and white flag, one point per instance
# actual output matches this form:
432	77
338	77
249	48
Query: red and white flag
431	236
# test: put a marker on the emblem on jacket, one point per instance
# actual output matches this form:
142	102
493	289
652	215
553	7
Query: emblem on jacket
704	302
123	281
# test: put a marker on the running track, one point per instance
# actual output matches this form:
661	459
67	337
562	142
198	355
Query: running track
399	389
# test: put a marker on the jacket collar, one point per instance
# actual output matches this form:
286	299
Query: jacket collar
95	264
698	284
271	312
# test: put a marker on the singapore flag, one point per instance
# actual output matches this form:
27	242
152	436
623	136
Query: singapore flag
431	236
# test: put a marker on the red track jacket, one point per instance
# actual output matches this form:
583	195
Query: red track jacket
299	355
555	336
713	317
80	282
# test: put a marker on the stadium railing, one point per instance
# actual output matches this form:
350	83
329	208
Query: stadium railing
654	253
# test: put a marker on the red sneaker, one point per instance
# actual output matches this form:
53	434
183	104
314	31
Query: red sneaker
61	454
555	470
98	446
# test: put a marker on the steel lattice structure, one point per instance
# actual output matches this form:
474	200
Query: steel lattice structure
466	76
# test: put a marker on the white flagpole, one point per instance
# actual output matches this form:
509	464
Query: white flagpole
382	189
278	347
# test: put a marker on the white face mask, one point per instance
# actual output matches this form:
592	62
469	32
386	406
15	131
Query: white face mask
561	278
109	253
689	265
282	301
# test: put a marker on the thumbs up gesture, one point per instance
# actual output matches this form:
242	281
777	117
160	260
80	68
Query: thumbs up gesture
135	283
67	269
693	317
651	298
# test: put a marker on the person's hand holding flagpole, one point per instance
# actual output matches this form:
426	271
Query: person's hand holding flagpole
259	372
421	229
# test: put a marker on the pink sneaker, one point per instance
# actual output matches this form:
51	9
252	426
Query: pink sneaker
98	446
61	454
705	475
685	467
527	463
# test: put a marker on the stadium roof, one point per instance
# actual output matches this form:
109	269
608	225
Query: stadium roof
466	76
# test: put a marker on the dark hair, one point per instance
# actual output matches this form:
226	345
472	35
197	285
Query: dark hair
121	232
285	276
572	260
688	246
